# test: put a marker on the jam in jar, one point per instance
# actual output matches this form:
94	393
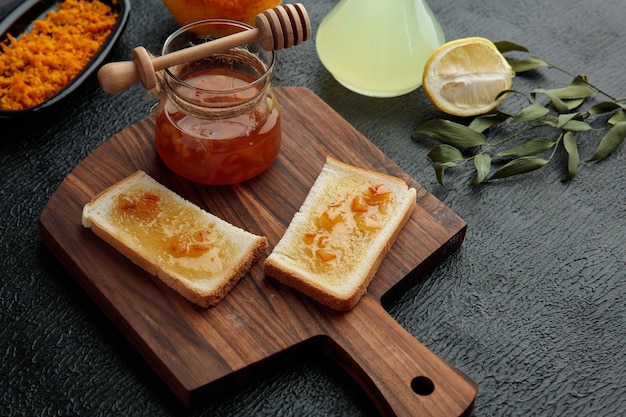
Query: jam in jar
218	121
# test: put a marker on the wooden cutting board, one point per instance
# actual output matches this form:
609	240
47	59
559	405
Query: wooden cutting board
261	324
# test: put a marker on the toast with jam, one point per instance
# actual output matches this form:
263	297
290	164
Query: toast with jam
199	255
335	243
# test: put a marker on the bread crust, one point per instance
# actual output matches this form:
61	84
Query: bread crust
280	263
250	247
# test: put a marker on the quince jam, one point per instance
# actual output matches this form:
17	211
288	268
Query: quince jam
343	229
164	231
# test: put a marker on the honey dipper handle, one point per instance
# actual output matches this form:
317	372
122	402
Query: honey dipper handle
277	28
203	50
115	77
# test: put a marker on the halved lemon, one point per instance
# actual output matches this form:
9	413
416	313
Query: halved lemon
463	77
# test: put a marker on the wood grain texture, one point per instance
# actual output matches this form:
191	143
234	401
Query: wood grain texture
203	353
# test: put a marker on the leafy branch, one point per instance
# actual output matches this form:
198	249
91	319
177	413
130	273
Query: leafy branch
568	111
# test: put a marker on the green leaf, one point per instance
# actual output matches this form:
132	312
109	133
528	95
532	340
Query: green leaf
573	160
526	64
576	126
485	121
519	166
568	122
482	162
620	116
452	133
572	91
439	171
603	107
551	121
610	141
558	104
532	147
564	119
532	112
573	103
508	46
445	153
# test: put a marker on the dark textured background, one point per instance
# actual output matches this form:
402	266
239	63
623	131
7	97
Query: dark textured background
532	307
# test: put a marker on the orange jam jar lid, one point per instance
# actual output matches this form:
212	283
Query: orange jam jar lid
218	121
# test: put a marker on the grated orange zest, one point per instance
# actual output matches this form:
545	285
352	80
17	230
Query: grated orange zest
39	64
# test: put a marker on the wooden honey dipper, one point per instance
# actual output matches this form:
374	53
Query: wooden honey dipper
277	28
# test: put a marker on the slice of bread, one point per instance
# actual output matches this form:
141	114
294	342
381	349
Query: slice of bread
197	254
336	241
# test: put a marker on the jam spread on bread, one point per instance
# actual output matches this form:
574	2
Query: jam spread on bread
190	244
346	224
144	206
175	233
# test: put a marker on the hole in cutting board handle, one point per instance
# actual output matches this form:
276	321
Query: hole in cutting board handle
422	385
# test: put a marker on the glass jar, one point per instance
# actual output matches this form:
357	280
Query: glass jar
218	121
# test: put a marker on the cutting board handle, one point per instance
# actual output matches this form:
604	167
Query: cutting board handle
399	374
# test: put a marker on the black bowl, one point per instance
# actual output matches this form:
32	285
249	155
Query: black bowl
19	20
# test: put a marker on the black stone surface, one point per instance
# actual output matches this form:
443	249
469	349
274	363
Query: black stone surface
532	307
